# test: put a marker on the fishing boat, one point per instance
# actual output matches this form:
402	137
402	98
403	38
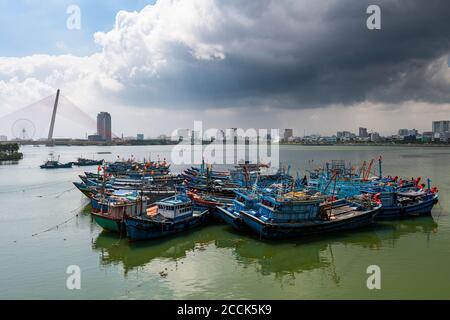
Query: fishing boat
298	214
109	211
231	214
208	201
55	164
88	191
164	218
153	190
401	204
82	162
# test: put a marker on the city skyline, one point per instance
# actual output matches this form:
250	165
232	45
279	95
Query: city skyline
104	130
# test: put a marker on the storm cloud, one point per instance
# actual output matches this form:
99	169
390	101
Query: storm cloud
286	54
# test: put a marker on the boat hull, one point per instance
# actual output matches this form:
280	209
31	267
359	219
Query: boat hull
109	224
286	230
139	229
228	217
417	209
84	189
61	166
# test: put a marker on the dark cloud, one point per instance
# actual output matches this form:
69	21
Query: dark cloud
300	54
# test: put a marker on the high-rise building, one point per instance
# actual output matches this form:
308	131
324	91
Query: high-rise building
3	138
104	126
140	136
403	132
363	133
288	133
441	126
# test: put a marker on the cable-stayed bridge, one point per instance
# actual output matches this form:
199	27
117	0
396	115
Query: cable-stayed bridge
45	120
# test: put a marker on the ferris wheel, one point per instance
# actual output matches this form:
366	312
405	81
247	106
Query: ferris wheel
23	129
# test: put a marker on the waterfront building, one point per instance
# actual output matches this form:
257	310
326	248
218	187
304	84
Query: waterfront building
95	138
363	133
288	133
104	126
375	137
441	126
345	136
140	136
403	132
444	137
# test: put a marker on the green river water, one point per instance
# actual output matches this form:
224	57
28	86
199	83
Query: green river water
215	262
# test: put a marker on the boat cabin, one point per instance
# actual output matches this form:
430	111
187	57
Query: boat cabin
175	208
289	210
130	206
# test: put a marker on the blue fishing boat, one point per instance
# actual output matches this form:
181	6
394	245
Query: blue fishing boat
296	214
172	215
231	214
405	203
88	191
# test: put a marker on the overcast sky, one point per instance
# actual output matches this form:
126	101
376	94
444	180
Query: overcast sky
311	65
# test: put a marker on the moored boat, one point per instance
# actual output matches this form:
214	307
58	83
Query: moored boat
231	214
55	164
81	162
169	216
287	217
51	164
407	203
109	212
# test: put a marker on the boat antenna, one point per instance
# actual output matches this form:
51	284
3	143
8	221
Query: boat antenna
255	185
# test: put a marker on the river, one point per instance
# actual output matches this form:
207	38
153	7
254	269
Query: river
215	262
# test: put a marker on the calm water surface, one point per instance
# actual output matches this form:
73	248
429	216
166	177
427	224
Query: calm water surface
215	262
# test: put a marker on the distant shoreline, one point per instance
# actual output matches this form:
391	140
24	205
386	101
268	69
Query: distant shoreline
443	145
171	143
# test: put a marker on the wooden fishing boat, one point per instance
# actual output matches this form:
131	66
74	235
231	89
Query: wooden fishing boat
407	203
286	217
89	192
166	217
117	207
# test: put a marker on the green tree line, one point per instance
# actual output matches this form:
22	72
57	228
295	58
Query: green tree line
10	151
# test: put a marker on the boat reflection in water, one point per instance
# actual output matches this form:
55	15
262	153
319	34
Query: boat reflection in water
132	255
281	258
